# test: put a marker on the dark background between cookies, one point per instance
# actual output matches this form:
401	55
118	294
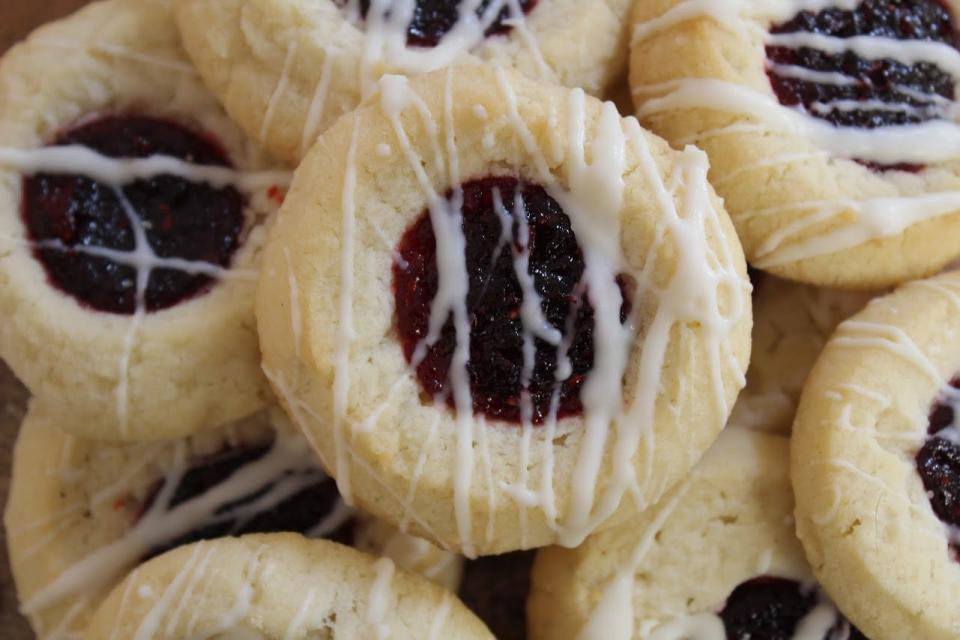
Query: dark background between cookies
17	18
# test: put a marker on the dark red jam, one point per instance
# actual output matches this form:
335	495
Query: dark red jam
921	85
433	19
182	219
938	463
768	608
300	512
494	299
496	588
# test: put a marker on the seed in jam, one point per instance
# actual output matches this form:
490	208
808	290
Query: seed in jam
496	588
300	512
186	220
434	19
494	300
918	92
768	608
938	463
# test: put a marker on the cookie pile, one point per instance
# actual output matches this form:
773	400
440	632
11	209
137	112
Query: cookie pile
370	319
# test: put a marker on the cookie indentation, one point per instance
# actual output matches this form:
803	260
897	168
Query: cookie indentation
434	19
296	500
773	609
88	234
502	220
847	90
938	461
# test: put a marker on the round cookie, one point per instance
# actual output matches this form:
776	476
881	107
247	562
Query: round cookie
132	216
831	127
287	69
82	513
792	323
278	586
716	558
874	463
427	309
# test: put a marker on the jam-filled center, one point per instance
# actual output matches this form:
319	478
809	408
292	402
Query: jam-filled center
938	461
432	20
849	82
771	608
301	500
531	342
144	245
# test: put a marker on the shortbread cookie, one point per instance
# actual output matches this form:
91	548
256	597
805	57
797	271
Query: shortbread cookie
287	69
792	323
831	127
427	309
131	225
716	559
279	586
875	466
496	589
82	513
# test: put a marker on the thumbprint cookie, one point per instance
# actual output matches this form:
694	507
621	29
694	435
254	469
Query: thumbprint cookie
791	324
287	69
716	559
831	126
504	315
131	225
82	513
876	463
279	586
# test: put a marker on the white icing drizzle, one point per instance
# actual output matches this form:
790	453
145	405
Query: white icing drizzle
931	142
379	598
119	172
278	91
440	618
287	468
318	104
345	331
860	334
385	38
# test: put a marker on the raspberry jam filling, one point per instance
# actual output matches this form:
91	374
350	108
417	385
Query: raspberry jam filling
301	511
496	588
494	300
938	463
72	219
768	608
829	86
434	19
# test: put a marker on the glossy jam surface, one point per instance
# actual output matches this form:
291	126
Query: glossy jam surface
923	87
496	365
938	462
496	588
300	512
433	19
181	219
768	608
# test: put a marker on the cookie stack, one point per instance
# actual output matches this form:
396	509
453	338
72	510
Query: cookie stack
369	319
